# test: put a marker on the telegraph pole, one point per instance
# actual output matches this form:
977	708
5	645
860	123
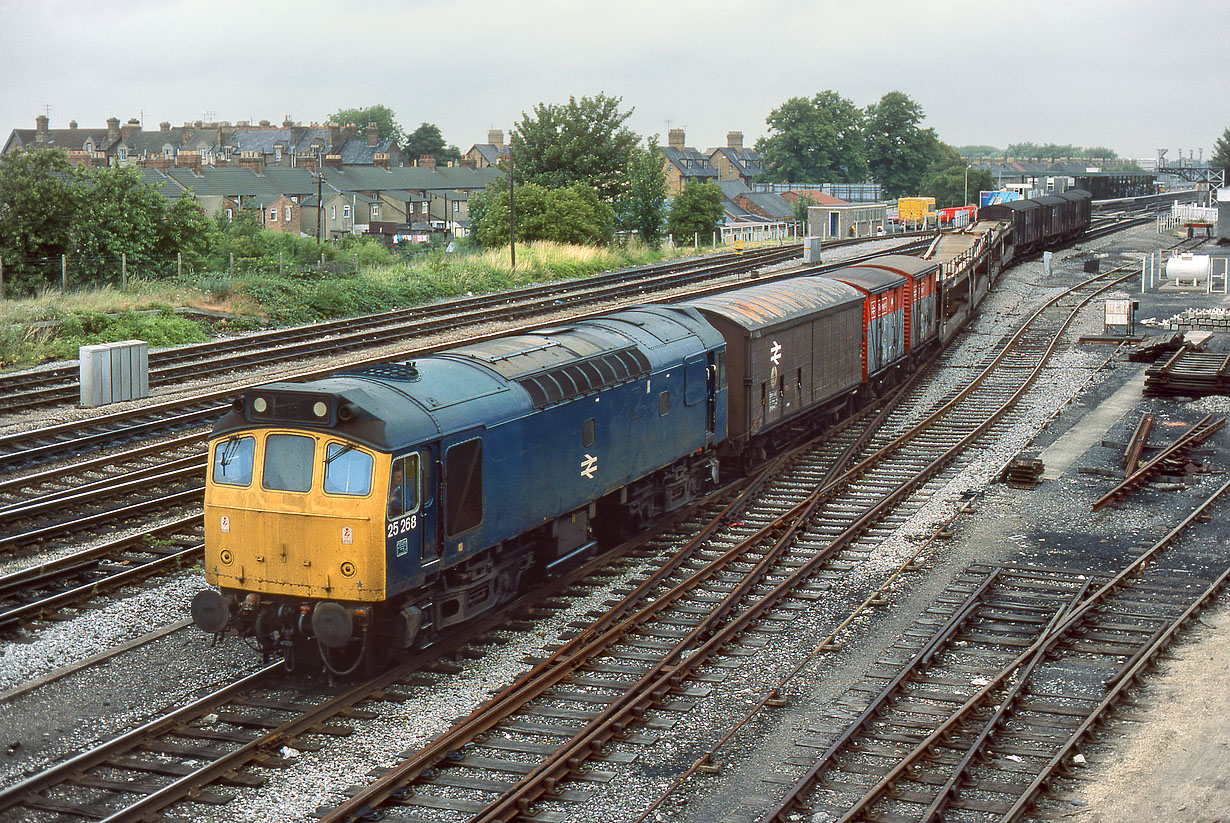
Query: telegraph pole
512	212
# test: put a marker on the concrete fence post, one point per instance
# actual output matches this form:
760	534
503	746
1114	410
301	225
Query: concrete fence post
1	278
279	264
123	270
231	267
179	264
356	262
64	272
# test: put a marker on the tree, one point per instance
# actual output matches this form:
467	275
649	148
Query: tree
971	152
1221	152
696	210
948	185
382	116
642	208
800	206
118	215
583	141
185	230
37	202
814	141
899	151
427	139
573	215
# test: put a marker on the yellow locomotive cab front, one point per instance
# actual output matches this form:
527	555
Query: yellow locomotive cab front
295	514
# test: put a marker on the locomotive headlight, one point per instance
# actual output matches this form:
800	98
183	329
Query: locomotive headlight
260	405
320	408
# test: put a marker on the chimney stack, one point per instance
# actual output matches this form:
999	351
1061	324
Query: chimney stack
72	124
373	135
40	128
675	139
131	127
427	161
335	135
496	137
113	128
165	125
734	140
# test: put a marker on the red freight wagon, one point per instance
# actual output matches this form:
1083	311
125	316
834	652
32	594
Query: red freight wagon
922	318
884	312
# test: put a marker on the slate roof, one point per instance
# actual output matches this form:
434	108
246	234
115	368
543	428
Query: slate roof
151	142
357	152
372	178
691	163
69	139
771	204
171	188
236	181
745	161
490	152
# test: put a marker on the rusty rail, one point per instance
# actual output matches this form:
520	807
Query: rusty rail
1197	434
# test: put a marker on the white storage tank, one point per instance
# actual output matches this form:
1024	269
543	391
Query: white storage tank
1182	268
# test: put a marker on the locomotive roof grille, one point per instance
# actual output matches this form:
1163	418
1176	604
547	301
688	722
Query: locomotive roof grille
406	372
584	377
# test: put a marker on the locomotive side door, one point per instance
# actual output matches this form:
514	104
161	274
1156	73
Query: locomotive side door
410	529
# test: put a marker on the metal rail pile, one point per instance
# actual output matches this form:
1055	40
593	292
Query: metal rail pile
1189	373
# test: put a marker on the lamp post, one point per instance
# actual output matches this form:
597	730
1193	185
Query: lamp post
965	202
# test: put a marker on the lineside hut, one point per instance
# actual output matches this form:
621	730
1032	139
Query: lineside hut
852	220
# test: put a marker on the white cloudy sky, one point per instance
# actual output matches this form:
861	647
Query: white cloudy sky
1134	75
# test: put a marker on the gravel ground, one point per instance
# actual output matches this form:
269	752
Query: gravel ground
53	720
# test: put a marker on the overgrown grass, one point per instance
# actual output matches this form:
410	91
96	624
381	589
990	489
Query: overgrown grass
53	325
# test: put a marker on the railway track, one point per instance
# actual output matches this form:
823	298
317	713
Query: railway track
992	706
688	633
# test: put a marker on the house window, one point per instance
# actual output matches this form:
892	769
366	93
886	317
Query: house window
346	211
167	151
123	153
230	215
288	214
273	215
456	206
277	154
333	212
375	211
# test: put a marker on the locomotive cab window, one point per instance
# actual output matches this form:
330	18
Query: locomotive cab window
288	462
404	486
233	461
588	432
664	403
347	470
463	489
